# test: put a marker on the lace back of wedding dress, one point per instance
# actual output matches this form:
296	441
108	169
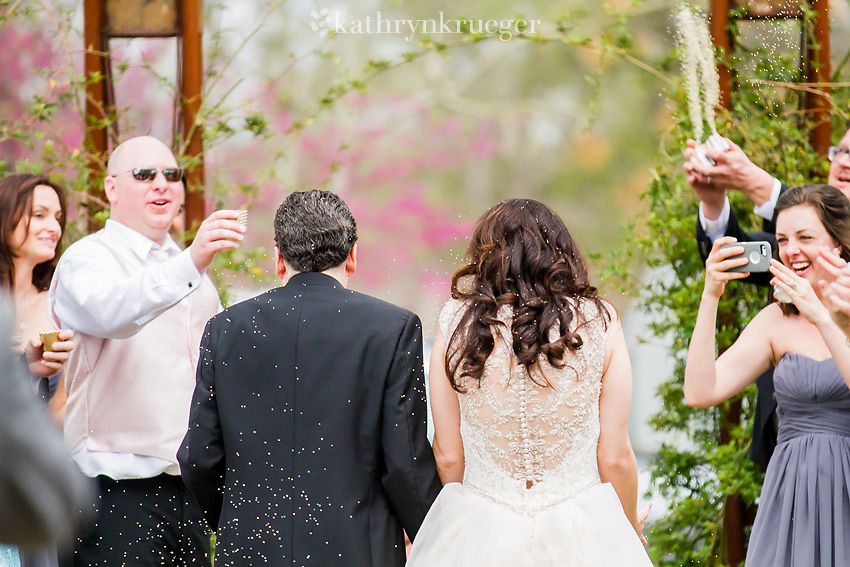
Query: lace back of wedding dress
531	443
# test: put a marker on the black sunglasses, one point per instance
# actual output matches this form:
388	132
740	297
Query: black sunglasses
148	174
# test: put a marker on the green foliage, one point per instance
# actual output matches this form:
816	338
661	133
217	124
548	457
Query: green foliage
257	123
709	462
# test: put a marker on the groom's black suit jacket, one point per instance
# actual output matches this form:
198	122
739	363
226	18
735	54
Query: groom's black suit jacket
307	436
764	422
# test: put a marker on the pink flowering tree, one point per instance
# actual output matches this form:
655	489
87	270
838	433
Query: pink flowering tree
417	169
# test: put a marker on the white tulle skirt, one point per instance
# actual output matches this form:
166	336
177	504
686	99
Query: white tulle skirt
463	528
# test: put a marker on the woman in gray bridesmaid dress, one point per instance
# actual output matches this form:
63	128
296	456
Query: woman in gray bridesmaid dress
804	509
809	474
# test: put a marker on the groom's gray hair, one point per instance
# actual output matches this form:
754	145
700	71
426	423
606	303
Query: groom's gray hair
314	230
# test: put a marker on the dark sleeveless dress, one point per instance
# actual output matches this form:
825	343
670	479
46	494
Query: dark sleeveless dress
804	510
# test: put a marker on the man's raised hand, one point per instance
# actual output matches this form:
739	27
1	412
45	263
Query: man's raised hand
219	231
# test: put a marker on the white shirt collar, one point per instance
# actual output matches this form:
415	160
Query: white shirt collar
140	244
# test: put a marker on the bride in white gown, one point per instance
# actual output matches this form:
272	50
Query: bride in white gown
531	435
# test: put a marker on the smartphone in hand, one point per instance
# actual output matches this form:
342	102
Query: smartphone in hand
757	253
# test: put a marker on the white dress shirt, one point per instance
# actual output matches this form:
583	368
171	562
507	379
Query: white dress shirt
716	228
89	296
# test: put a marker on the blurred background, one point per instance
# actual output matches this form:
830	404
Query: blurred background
419	132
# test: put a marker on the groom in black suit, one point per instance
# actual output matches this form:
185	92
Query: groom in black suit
307	436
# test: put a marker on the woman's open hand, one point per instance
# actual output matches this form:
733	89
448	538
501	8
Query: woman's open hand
642	514
835	291
800	291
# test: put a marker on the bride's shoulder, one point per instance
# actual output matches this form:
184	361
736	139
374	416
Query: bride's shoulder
452	306
599	310
450	314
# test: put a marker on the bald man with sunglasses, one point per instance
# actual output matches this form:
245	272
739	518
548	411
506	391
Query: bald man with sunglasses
138	304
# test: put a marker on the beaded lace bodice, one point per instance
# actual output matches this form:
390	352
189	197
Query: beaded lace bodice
527	445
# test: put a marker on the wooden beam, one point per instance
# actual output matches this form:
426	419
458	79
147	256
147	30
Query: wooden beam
734	517
773	9
818	71
96	60
722	39
192	69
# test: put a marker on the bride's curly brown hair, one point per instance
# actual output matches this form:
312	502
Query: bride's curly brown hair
522	255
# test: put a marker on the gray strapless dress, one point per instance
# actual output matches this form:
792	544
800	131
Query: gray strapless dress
804	510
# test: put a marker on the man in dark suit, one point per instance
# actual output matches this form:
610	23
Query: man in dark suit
307	436
733	171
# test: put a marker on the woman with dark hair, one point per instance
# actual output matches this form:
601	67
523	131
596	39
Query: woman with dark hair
32	220
530	388
804	509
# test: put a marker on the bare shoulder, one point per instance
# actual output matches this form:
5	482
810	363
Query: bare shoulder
604	314
603	308
770	316
769	327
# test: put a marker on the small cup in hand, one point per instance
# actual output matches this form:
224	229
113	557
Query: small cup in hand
48	339
243	218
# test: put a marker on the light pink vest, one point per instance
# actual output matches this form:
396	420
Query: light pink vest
133	395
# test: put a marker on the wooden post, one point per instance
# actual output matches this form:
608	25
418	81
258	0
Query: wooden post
105	19
95	64
818	71
722	39
734	549
191	104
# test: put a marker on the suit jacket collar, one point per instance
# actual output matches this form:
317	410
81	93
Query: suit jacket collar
313	279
